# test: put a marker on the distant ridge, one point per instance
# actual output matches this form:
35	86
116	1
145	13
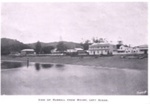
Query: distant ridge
7	41
69	45
10	45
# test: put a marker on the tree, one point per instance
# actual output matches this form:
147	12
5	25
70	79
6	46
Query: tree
61	46
86	45
5	50
12	46
100	40
47	49
38	47
95	40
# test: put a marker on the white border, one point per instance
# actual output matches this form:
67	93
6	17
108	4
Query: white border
33	99
74	0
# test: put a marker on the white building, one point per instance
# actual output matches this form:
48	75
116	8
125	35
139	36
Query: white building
28	52
123	49
101	49
142	49
74	50
55	52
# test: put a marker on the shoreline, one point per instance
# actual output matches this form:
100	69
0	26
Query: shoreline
69	64
105	62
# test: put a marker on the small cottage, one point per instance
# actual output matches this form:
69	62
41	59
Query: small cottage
27	52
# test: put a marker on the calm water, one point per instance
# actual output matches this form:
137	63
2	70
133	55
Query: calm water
22	78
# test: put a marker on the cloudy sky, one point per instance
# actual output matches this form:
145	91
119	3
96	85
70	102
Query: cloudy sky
47	22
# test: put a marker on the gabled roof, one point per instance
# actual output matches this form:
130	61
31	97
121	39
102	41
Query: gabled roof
31	50
78	49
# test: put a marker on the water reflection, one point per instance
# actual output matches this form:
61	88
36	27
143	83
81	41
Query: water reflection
60	66
9	65
27	62
37	66
46	66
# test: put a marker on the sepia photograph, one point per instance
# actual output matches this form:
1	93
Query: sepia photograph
74	48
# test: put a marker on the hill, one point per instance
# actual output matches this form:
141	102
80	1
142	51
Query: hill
10	45
69	45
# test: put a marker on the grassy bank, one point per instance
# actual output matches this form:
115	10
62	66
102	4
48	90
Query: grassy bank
112	61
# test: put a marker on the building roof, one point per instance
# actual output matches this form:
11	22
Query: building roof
81	50
28	50
142	46
99	44
78	49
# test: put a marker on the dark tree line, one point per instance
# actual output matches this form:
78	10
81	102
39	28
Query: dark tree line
8	49
85	45
42	50
47	49
61	46
38	48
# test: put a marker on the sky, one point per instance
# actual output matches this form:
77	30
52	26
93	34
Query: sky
76	22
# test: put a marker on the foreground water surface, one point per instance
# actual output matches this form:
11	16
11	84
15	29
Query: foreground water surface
22	78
